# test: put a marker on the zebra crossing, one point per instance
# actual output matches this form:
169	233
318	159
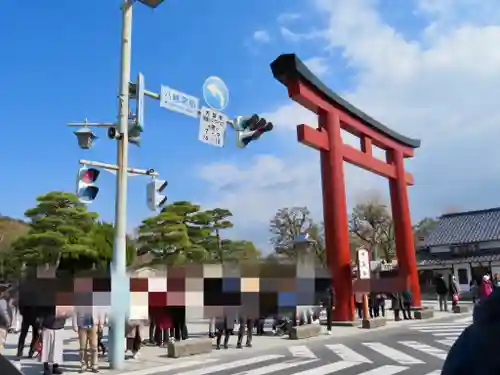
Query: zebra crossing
444	333
359	358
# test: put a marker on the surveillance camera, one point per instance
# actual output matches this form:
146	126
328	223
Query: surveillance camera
113	133
85	137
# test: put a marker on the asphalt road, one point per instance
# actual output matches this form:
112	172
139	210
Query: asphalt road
416	349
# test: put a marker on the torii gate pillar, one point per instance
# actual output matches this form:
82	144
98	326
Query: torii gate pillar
334	114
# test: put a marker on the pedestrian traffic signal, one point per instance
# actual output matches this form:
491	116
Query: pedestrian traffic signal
155	198
86	190
250	128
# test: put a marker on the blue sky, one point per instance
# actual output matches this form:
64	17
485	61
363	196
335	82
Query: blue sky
60	64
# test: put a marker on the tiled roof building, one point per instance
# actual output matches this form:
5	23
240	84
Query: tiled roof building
465	243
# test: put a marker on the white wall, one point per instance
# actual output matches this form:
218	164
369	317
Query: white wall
464	266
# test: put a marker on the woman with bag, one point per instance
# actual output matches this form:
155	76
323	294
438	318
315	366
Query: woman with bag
455	292
486	287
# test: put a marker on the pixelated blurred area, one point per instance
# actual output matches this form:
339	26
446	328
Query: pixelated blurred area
200	291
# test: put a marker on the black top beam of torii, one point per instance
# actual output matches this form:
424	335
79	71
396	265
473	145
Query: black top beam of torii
289	66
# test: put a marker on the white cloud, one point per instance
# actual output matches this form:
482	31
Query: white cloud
294	37
261	36
440	87
288	17
268	182
317	65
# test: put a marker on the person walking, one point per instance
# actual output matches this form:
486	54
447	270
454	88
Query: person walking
87	324
163	325
474	290
5	317
380	303
475	351
224	325
329	309
406	299
358	299
496	281
30	318
486	287
211	327
53	322
245	322
397	305
133	336
455	292
442	292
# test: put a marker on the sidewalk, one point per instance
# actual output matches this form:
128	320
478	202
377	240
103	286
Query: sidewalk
153	359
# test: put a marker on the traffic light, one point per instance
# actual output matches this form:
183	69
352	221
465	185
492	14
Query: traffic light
250	128
155	198
136	120
86	189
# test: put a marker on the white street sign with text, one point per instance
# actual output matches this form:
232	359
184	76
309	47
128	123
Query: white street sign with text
212	127
363	264
177	101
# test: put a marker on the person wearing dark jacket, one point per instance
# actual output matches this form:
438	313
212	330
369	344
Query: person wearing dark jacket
475	351
329	309
406	299
397	304
30	312
442	292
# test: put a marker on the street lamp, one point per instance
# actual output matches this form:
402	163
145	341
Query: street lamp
119	284
151	3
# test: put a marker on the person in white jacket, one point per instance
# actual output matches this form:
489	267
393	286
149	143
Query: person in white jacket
5	317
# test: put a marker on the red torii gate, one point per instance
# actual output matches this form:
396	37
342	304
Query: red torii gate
334	114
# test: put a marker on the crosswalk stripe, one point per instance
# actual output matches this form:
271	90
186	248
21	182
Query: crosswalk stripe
301	351
173	366
232	365
275	367
464	320
394	354
433	326
435	372
456	334
347	354
385	370
327	369
455	329
424	348
447	342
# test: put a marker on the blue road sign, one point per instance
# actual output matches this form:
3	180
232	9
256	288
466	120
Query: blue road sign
216	93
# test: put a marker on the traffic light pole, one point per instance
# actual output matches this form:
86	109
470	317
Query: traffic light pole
111	167
119	284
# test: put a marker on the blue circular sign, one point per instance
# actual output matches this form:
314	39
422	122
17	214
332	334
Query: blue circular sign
215	93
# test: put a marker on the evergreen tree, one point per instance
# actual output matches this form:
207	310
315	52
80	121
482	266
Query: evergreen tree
60	230
175	235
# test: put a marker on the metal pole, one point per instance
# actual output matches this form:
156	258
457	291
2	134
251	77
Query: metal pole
111	167
119	286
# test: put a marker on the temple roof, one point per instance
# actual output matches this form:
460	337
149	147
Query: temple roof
465	227
446	258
